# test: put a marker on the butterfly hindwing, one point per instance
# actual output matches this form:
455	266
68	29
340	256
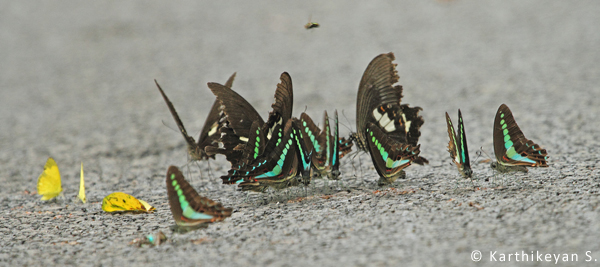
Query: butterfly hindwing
510	145
189	208
389	156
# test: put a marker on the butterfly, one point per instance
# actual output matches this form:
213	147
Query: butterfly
49	184
121	202
311	25
82	187
513	151
209	133
279	165
458	146
325	145
188	208
378	105
264	142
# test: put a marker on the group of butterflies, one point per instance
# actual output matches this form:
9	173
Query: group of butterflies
286	151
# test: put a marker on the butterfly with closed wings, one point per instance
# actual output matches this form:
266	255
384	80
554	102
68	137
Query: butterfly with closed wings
513	151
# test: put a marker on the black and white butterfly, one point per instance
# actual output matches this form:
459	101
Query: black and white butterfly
382	123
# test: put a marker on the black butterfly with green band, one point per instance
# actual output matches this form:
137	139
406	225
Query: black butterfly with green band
513	151
189	209
326	145
458	146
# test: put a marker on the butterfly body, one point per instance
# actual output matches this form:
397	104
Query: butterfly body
49	182
457	146
188	208
513	151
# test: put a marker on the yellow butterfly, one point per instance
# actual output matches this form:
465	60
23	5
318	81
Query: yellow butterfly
82	187
49	181
123	202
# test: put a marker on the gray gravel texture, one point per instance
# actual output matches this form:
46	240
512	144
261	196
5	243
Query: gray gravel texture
77	84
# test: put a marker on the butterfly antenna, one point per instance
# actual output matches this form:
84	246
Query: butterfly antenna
163	122
478	155
349	128
481	149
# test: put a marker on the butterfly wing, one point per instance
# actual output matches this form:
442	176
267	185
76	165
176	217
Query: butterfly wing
510	145
376	89
81	194
277	165
194	151
49	183
239	118
334	160
458	146
210	131
388	155
251	151
378	102
312	138
189	208
283	104
120	201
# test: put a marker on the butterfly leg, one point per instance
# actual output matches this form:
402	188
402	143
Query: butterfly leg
210	176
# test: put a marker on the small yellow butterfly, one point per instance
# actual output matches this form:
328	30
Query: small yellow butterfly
123	202
49	184
82	187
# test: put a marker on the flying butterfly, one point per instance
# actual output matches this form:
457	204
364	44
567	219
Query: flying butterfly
513	151
311	25
209	133
458	146
49	184
378	108
188	208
